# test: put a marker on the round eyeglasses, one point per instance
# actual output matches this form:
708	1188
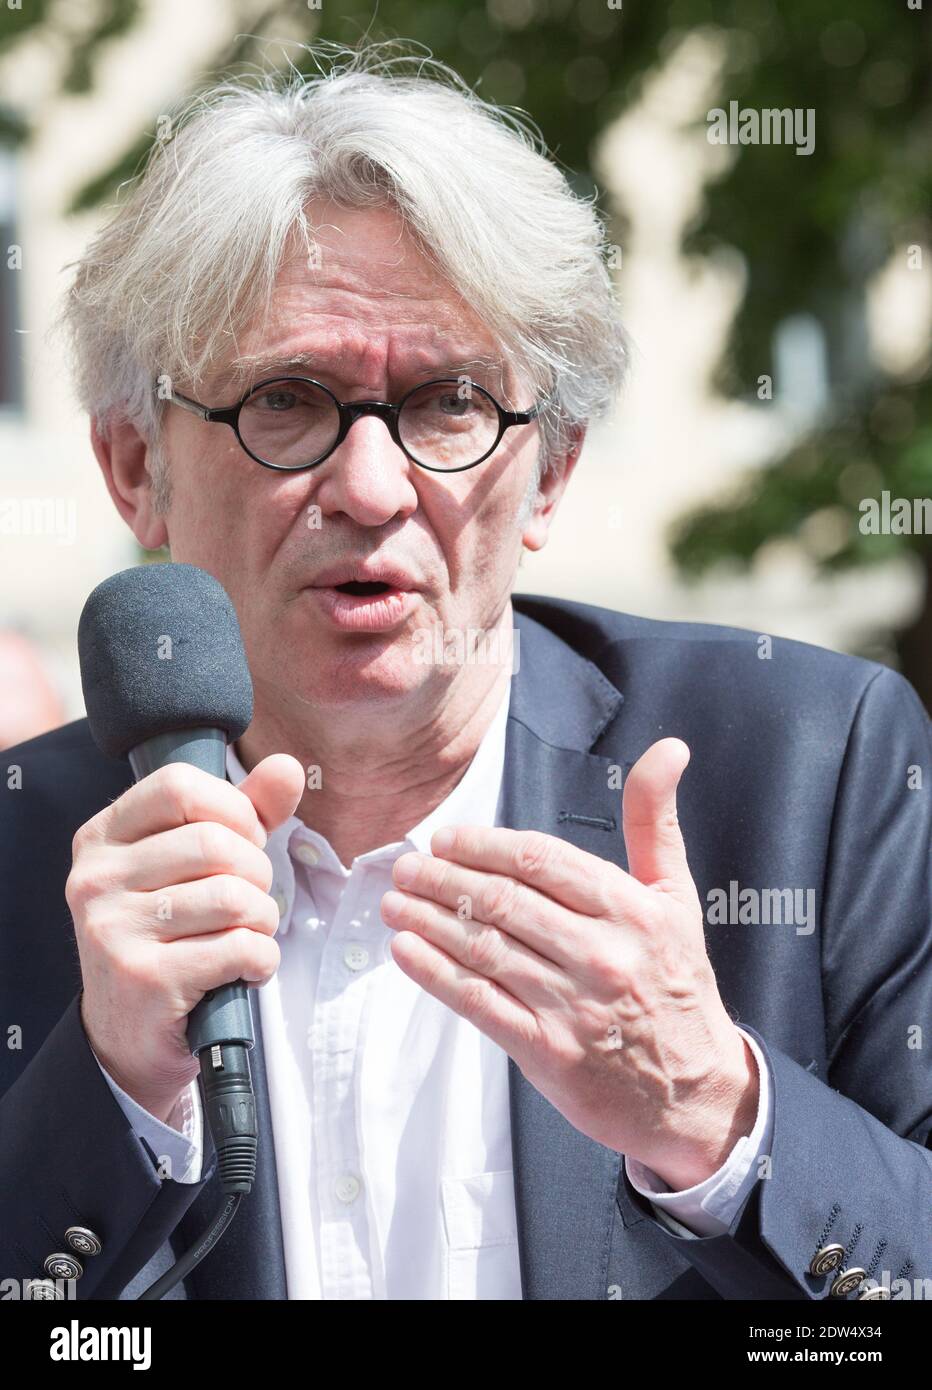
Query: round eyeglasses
294	422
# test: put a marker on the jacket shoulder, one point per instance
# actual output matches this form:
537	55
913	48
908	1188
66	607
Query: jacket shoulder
623	645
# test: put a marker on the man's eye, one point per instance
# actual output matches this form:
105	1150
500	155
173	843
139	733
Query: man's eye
279	400
454	404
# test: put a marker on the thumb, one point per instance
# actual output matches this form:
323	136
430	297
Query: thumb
275	786
652	831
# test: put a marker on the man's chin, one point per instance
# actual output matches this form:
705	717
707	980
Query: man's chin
364	671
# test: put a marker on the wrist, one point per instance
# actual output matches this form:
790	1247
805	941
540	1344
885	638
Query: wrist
703	1135
162	1100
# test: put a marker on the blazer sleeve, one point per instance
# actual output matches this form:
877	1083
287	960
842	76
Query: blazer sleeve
69	1157
851	1160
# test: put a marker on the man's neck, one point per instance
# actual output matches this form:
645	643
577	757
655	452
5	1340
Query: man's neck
374	777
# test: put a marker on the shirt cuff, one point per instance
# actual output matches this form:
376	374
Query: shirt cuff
709	1208
179	1153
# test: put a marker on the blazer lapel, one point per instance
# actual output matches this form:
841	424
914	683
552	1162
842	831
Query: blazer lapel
565	1183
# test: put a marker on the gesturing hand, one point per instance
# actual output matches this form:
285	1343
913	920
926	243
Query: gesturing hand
596	981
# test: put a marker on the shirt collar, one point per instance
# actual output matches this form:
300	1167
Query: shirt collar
475	800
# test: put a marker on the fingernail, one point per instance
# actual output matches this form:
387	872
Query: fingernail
405	868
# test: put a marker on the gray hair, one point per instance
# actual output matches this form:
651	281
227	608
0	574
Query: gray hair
191	255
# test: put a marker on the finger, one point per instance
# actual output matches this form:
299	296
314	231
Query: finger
190	852
486	950
656	852
206	906
553	932
175	795
484	1003
222	958
275	786
571	876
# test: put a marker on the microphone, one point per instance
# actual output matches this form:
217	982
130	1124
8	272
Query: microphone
165	680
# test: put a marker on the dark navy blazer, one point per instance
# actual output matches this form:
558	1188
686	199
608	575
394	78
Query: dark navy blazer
809	770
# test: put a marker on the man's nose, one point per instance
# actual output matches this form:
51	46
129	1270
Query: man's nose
368	477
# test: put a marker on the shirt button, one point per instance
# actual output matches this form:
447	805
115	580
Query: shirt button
355	956
347	1188
307	854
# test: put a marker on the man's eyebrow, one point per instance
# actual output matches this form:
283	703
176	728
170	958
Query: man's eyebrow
259	366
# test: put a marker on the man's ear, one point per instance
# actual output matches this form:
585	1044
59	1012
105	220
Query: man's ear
552	486
122	459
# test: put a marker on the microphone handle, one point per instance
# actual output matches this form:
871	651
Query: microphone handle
223	1015
220	1031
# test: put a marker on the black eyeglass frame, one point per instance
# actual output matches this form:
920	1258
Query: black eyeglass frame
350	412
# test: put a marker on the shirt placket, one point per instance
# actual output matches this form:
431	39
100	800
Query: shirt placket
338	1035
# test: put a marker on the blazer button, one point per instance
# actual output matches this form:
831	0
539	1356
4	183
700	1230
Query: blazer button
63	1267
847	1281
874	1294
83	1240
828	1258
43	1290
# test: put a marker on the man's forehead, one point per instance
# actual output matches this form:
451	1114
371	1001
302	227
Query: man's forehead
346	352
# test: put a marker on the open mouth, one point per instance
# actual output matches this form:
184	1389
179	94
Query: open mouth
362	588
366	605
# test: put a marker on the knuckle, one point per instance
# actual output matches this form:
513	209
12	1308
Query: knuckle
592	1021
79	889
646	914
533	853
213	845
179	785
619	973
499	899
139	972
90	932
477	1000
93	923
228	898
260	955
484	949
588	955
604	890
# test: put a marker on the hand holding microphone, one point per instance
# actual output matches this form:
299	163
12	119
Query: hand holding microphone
169	894
169	884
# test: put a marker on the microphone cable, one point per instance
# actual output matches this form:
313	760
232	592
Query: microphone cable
230	1111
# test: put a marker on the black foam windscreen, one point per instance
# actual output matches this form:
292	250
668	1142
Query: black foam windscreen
160	650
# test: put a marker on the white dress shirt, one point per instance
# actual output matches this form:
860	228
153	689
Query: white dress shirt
390	1113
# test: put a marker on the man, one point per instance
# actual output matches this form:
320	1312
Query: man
538	1019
